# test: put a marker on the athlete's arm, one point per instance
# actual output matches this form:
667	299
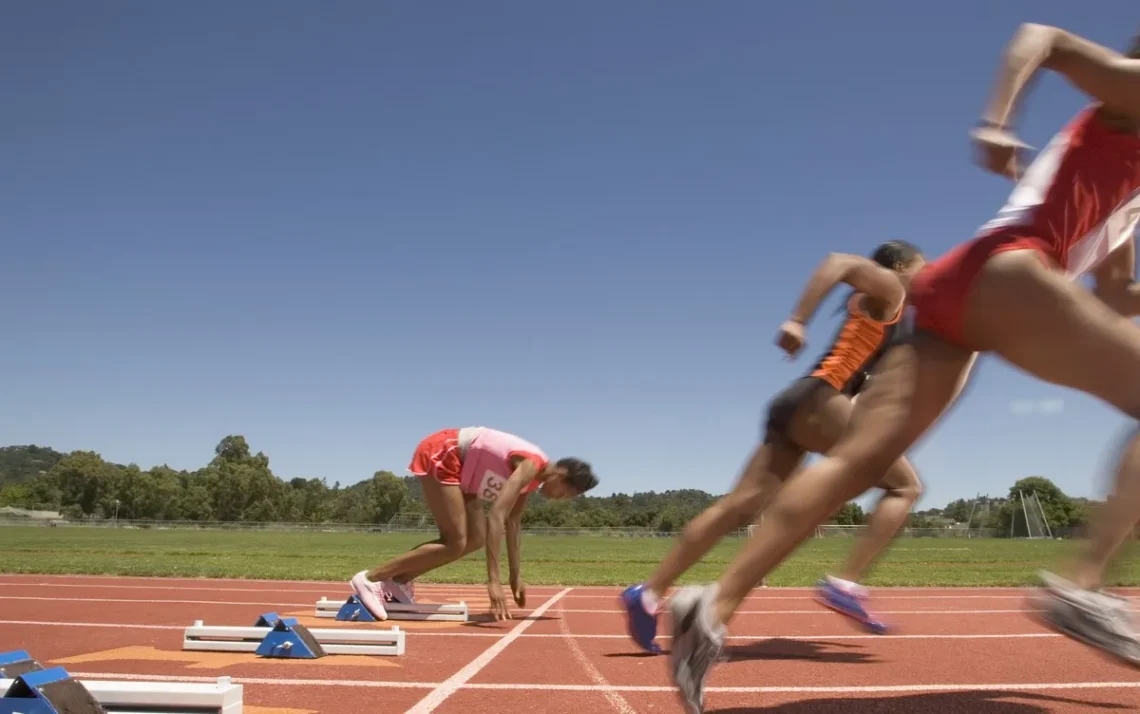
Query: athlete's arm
523	475
866	276
514	549
1115	278
1102	73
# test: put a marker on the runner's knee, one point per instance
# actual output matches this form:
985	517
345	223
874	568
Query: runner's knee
456	545
475	541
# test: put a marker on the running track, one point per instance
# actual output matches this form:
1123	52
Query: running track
961	650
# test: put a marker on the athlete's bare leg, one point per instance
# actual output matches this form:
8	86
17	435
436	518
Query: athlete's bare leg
1056	330
913	385
475	540
758	484
902	491
449	508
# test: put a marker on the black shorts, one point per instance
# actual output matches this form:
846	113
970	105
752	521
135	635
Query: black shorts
783	407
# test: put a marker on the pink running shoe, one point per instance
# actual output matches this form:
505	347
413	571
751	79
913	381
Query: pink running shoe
404	593
371	594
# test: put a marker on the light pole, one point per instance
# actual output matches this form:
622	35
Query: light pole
115	519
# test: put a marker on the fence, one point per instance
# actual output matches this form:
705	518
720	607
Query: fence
427	525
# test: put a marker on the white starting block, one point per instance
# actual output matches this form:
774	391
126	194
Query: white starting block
351	610
288	641
221	697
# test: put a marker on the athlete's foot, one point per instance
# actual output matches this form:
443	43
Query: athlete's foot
370	594
847	599
1094	618
640	620
403	593
697	643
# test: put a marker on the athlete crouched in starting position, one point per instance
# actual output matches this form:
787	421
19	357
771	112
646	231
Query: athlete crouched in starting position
1013	291
809	416
459	470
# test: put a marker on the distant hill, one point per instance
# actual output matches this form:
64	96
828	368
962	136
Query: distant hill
20	464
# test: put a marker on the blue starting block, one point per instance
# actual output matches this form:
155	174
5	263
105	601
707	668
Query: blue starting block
353	611
289	640
48	691
270	619
13	664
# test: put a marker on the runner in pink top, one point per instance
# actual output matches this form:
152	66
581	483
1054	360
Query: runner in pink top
460	469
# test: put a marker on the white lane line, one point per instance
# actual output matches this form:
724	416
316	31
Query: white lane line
456	681
582	636
371	683
616	700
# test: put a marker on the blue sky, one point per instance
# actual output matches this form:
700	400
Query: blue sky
337	227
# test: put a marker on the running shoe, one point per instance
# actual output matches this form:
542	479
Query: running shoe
404	593
849	603
640	622
696	646
1094	618
370	594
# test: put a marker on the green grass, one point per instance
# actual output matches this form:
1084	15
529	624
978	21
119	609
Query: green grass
547	560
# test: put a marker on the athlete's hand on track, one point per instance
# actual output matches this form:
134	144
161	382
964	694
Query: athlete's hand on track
499	607
518	589
791	337
999	151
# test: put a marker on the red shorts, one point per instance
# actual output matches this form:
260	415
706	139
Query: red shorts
939	291
438	456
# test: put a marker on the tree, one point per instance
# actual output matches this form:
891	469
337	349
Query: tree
851	514
1059	509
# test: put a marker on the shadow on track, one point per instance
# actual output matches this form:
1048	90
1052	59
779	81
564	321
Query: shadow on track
990	702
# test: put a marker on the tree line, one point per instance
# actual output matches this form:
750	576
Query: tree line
238	485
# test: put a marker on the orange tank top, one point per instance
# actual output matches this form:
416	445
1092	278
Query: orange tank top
859	343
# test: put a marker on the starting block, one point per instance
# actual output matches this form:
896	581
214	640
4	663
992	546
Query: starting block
19	662
53	691
285	638
351	610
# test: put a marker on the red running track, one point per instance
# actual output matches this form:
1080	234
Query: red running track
954	650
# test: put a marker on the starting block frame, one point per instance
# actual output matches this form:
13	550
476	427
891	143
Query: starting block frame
221	697
267	640
350	610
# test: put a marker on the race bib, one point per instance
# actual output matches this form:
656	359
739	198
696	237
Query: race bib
491	486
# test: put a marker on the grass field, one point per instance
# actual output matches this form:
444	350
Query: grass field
547	560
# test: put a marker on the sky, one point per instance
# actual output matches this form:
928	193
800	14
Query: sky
337	227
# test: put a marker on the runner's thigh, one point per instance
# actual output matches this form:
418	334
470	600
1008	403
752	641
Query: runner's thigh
1053	328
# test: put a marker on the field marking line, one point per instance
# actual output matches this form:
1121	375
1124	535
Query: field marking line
759	637
371	683
616	700
456	681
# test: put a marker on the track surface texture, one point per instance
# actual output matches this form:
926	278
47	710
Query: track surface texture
951	650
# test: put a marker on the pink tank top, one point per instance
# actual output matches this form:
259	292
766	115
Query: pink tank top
487	457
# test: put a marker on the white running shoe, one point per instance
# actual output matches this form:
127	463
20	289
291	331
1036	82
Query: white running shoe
370	594
404	593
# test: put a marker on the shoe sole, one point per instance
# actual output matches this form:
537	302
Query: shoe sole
862	624
1042	618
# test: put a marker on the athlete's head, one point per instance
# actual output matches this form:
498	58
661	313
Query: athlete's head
567	478
902	257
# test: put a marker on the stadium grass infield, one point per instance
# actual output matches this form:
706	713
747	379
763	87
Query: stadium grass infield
547	560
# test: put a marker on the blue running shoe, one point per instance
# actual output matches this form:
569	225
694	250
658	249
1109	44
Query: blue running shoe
849	605
641	623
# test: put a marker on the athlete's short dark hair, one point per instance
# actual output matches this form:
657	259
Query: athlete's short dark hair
1133	50
579	474
895	254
